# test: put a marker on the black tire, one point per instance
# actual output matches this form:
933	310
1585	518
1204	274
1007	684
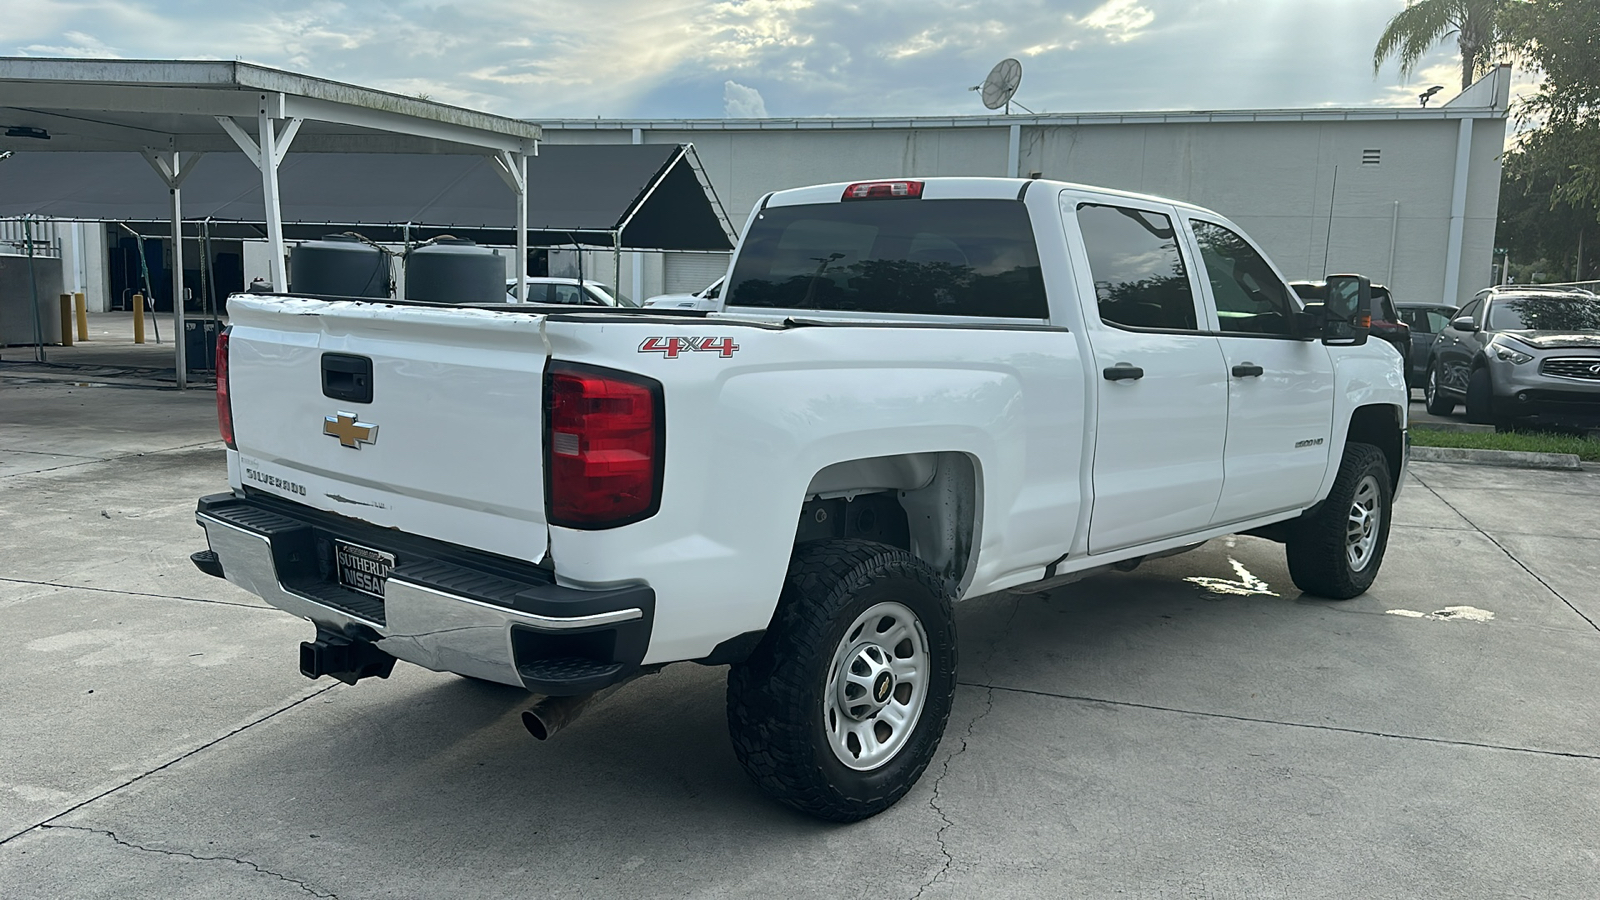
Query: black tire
1480	390
778	699
1434	399
1318	547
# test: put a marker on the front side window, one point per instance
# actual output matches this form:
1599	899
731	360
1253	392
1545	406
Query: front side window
1470	311
927	257
1250	298
1139	277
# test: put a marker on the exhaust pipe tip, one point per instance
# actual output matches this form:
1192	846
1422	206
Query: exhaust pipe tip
553	714
535	725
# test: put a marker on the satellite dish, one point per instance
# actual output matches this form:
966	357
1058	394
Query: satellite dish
1002	83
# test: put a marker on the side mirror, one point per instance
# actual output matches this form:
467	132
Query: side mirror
1347	311
1464	323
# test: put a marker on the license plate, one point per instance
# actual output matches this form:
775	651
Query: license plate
362	568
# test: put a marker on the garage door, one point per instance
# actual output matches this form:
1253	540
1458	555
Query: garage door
688	273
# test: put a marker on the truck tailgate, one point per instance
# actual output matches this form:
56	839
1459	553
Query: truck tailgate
449	445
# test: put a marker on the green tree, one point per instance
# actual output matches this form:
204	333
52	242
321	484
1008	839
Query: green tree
1423	23
1538	226
1561	38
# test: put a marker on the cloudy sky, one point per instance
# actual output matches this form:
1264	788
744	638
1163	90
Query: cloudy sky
685	58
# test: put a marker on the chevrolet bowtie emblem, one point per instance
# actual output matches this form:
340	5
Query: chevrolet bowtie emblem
350	432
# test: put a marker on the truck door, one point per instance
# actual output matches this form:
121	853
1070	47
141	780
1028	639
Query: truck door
1163	393
1280	388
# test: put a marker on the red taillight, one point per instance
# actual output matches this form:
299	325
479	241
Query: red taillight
603	453
883	190
224	402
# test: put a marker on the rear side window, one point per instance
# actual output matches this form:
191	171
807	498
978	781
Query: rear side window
928	257
1139	277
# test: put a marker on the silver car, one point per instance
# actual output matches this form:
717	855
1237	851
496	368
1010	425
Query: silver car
1520	353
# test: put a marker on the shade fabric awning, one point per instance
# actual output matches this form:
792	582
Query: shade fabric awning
627	196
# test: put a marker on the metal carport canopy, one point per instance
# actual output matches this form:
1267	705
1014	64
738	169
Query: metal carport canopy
174	112
616	196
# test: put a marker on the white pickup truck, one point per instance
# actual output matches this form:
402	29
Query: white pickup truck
913	392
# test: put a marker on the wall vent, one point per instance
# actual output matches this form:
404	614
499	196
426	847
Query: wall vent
1371	157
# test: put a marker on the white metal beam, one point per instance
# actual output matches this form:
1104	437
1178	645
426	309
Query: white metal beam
286	137
242	138
268	162
176	172
172	174
127	98
522	227
1458	214
399	123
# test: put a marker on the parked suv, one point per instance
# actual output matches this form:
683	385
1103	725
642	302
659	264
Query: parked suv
1386	324
1518	352
1425	320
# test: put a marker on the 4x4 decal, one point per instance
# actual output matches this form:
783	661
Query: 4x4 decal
671	347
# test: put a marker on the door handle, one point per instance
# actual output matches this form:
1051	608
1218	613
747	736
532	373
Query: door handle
1122	372
1247	370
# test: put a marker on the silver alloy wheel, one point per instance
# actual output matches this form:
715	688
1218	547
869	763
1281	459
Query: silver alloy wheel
877	685
1430	393
1366	517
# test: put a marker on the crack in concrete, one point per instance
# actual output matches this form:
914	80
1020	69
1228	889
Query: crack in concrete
1509	555
85	587
44	823
1477	745
123	842
944	772
91	460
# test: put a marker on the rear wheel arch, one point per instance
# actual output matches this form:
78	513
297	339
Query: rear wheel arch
939	494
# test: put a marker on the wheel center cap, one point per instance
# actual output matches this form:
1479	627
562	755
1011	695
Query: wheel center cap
865	682
882	687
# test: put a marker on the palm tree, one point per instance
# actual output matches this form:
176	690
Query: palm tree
1423	23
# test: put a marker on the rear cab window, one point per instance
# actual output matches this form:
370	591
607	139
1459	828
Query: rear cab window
953	257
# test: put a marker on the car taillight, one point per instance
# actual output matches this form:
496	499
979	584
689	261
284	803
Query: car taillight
883	190
224	402
603	446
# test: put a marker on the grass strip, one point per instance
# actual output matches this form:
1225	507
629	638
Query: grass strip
1587	449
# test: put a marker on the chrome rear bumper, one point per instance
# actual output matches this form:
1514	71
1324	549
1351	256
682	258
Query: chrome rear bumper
432	625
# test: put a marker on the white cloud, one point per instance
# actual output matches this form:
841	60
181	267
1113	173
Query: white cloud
742	102
664	58
1121	20
82	45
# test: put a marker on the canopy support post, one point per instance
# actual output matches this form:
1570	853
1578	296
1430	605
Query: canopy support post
512	167
267	159
173	171
522	227
178	342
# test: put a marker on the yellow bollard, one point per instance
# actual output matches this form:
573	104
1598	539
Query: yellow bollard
138	318
66	320
83	316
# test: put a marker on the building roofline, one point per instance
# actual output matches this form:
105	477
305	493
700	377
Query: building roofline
231	75
1171	117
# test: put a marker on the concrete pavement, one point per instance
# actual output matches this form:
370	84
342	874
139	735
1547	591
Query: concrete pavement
1192	729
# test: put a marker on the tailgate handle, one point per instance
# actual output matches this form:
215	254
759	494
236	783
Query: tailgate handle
347	377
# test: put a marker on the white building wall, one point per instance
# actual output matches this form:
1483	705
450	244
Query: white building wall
1272	172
